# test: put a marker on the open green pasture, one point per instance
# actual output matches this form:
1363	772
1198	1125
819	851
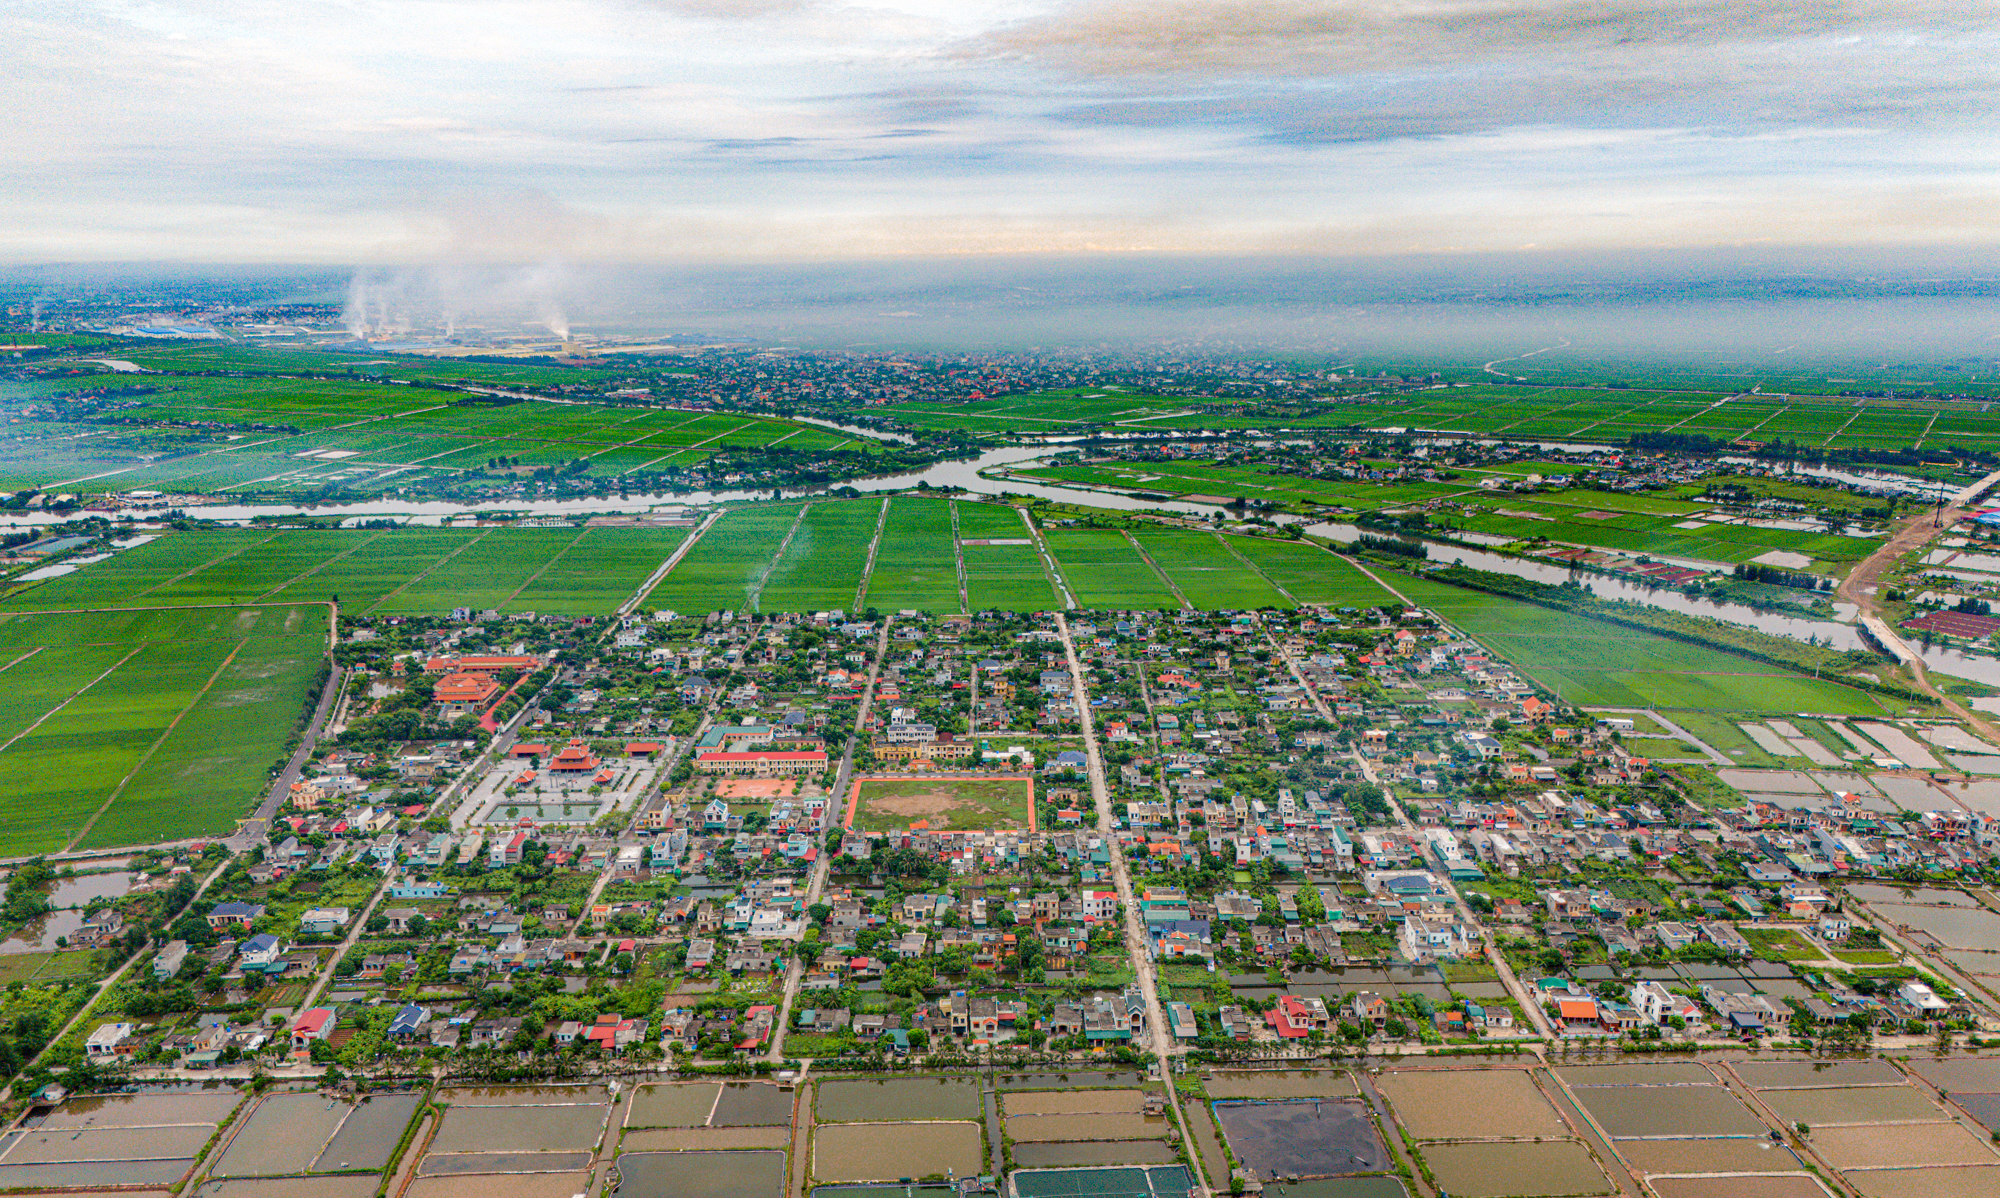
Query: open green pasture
1597	664
141	726
414	571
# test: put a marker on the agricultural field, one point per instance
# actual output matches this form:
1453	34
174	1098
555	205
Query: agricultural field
916	566
821	569
1003	569
1049	411
943	804
1595	664
1105	572
144	726
414	571
728	562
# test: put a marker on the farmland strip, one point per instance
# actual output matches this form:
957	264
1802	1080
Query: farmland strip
152	749
25	656
667	567
432	569
861	591
757	588
73	696
205	565
1049	564
1927	430
553	559
1171	585
316	569
1254	568
1858	410
958	553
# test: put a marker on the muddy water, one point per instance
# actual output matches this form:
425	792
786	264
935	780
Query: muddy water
1093	1152
522	1095
701	1175
1860	1104
898	1098
1058	1081
1665	1073
1751	1154
1978	1074
368	1136
1769	1074
1899	1144
1338	1187
517	1185
890	1152
79	890
1069	1102
349	1186
679	1139
520	1129
1303	1138
93	1173
1670	1111
1796	1186
445	1164
672	1105
1551	1168
142	1110
43	1146
1435	1104
1309	1083
284	1134
40	935
753	1104
1046	1128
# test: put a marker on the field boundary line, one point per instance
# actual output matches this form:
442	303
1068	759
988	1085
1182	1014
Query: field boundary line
1615	418
1172	586
620	444
1925	435
683	449
756	591
958	555
558	556
868	568
1050	567
1254	568
154	748
50	713
426	572
652	584
1743	436
323	565
30	653
1860	409
192	571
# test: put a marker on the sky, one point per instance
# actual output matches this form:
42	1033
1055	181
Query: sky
718	131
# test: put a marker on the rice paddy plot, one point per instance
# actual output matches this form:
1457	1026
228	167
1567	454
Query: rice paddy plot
892	1151
1546	1168
1099	1125
752	1104
1310	1083
518	1185
285	1134
1166	1181
1948	1182
1105	573
349	1185
1337	1187
368	1136
916	567
821	568
1311	574
1662	1073
1072	1102
1747	1154
888	1099
484	574
717	574
1003	569
1885	1146
542	1128
685	1105
1078	1153
682	1139
1212	578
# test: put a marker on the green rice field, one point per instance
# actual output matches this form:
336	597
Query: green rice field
416	571
141	726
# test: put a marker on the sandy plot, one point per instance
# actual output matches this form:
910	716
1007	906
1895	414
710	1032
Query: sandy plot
1670	1111
1857	1104
110	1144
1548	1169
1746	1154
756	788
1043	1129
1666	1073
888	1151
1961	1182
1308	1083
678	1139
1795	1186
519	1185
1770	1075
519	1129
1900	1144
1073	1102
1484	1103
142	1110
672	1106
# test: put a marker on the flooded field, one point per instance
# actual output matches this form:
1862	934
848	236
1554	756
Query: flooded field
1093	1152
752	1104
1928	1183
447	1164
369	1134
1309	1083
676	1139
1868	892
1338	1187
1160	1181
1796	1186
520	1129
352	1185
142	1110
1743	1155
91	1174
672	1106
859	1101
701	1175
1068	1080
1958	927
889	1152
1072	1102
519	1185
1034	1129
1666	1073
1984	1108
284	1134
1669	1111
522	1095
43	1146
1768	1075
1434	1104
1979	1074
1303	1138
1551	1168
1901	1144
1855	1104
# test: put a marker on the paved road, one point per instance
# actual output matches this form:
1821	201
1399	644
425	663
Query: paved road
824	869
